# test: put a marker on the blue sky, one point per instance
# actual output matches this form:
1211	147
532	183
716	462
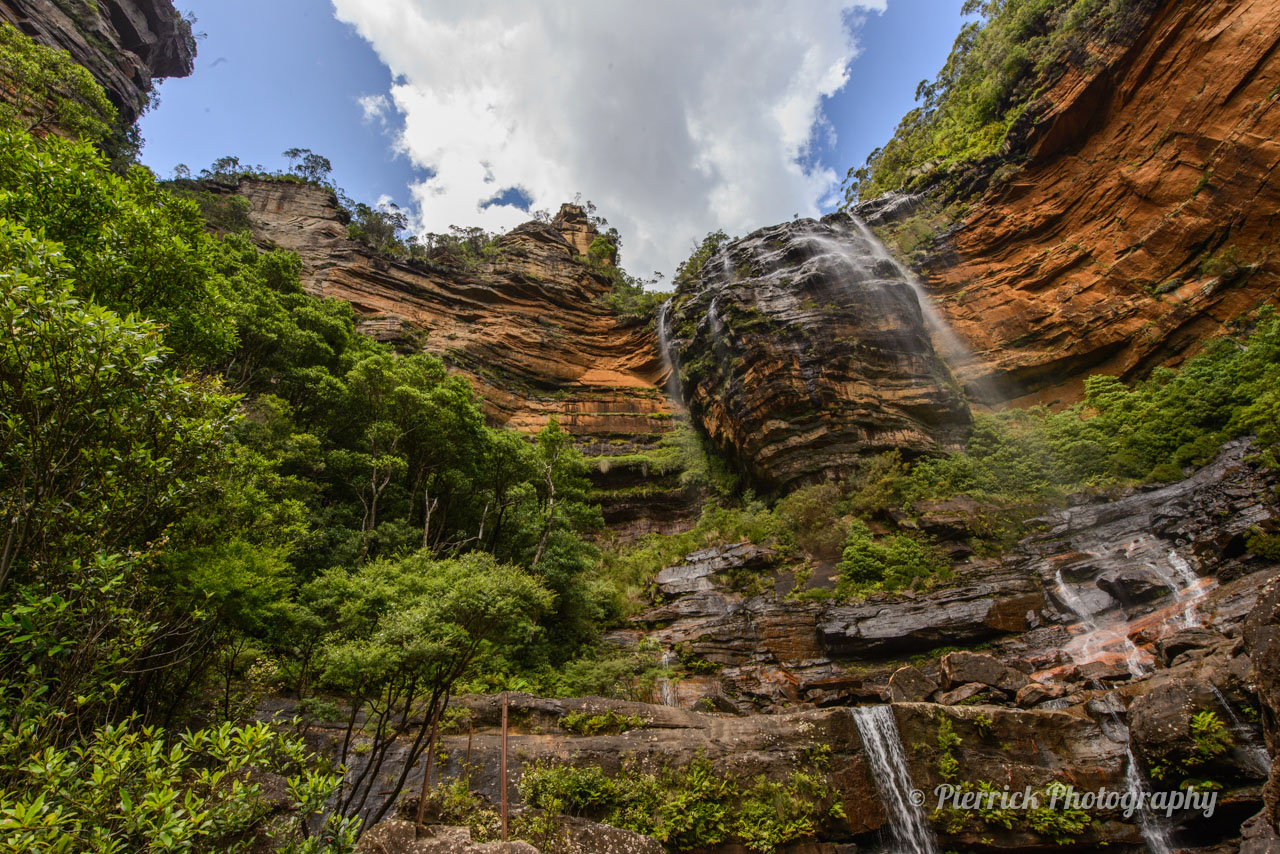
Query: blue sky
273	75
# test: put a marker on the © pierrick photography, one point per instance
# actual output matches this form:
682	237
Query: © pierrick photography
716	426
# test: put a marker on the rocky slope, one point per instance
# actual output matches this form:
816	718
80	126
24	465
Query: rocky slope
125	44
1099	639
802	348
1142	221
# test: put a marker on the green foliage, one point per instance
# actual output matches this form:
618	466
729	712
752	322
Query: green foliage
101	443
128	245
891	562
689	807
1060	824
126	789
606	723
407	632
997	69
1263	545
948	741
1211	736
45	91
690	270
630	569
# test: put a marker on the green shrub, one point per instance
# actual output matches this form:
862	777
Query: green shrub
606	723
689	807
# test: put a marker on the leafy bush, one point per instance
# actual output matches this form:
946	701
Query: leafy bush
126	789
689	807
606	723
891	562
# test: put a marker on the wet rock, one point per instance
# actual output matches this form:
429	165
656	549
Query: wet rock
1262	638
910	685
960	667
1184	640
1132	586
1103	671
802	349
1036	693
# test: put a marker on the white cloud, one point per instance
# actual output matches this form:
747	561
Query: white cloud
676	117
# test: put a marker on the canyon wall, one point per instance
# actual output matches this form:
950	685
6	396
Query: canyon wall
1143	221
125	44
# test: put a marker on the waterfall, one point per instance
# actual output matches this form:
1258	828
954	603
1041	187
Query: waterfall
666	688
880	739
1097	639
956	349
1154	832
1258	755
666	351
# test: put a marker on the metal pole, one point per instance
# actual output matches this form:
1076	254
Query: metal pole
502	770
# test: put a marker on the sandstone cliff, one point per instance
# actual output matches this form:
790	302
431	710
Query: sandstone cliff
1142	222
527	326
125	44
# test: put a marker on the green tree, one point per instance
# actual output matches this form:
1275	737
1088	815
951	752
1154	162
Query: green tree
45	91
407	632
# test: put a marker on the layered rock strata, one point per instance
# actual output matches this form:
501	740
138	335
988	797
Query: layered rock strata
801	349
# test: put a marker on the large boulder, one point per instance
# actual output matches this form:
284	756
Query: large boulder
959	668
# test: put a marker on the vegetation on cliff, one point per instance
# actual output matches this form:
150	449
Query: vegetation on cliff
999	66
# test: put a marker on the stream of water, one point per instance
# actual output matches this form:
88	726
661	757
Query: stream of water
879	733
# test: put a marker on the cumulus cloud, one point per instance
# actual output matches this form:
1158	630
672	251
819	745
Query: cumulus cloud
676	117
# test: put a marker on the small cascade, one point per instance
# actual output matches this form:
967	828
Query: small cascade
666	351
667	692
1182	581
1099	640
1154	832
879	733
1257	754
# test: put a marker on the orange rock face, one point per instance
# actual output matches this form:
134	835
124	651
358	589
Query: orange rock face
1146	219
527	328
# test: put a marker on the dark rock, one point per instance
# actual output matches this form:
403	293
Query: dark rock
964	692
961	667
1262	637
910	685
803	349
978	606
697	571
1259	836
1172	646
579	836
1132	586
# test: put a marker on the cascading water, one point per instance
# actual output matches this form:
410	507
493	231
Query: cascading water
879	733
666	352
1098	639
666	688
1258	756
1154	832
954	349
